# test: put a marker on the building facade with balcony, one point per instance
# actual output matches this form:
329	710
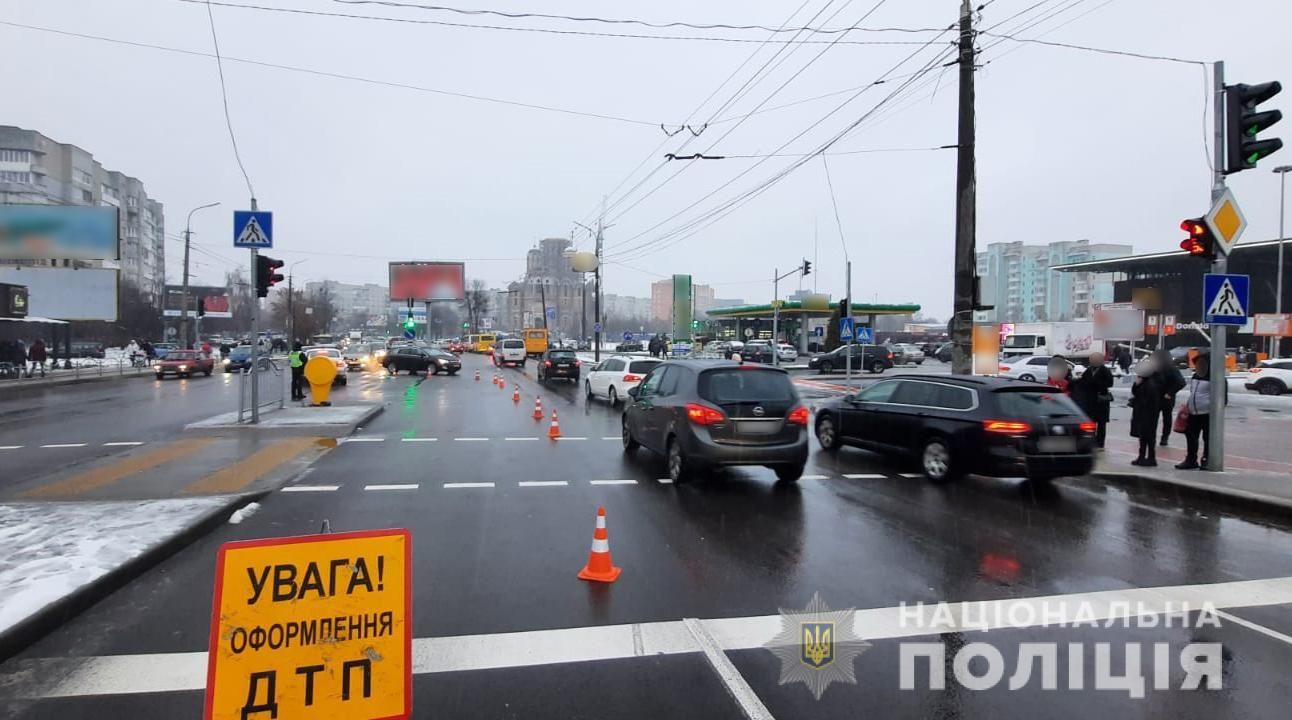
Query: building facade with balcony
35	169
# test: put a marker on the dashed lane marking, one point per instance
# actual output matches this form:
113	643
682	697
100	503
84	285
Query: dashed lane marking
544	483
103	475
64	677
815	477
418	439
472	439
864	476
362	439
911	475
1253	626
63	445
665	481
10	447
612	437
563	437
735	683
518	439
130	443
614	482
311	488
400	486
452	486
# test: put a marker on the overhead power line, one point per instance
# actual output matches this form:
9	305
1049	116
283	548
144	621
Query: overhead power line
632	21
334	75
530	29
224	99
1087	48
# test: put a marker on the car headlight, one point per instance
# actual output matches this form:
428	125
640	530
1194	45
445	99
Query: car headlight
441	361
182	368
226	361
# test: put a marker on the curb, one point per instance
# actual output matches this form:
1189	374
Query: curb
1233	497
329	430
20	389
49	618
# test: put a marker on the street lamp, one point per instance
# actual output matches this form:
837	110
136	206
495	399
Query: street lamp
183	322
584	263
1282	171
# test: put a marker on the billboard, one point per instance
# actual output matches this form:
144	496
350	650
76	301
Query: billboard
53	232
13	301
428	281
681	307
1119	321
67	293
215	298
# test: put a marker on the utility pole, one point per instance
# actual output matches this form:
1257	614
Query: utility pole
847	313
1276	342
966	200
183	313
255	336
1219	385
596	308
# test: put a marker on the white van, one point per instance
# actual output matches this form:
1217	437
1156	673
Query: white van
510	352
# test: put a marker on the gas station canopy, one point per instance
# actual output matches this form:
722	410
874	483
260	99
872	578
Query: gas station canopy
796	307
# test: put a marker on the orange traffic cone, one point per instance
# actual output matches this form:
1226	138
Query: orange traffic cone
600	567
538	408
515	395
554	431
477	376
502	383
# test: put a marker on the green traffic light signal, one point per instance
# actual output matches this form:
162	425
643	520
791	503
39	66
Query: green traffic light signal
1243	123
465	325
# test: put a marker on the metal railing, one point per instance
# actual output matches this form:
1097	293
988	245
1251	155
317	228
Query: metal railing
272	391
83	368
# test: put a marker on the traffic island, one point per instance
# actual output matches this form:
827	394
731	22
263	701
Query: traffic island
332	421
65	556
1241	489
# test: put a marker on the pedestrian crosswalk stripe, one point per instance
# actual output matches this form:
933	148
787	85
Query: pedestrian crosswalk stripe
311	488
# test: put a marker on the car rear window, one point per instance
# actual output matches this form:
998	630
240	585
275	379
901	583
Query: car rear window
641	367
745	384
561	354
1037	404
513	343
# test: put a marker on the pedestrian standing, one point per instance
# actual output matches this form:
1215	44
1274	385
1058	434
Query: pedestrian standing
1123	359
1198	406
1058	374
297	362
1146	410
1172	383
1093	394
37	355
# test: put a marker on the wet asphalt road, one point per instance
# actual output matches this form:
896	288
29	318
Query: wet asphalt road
502	559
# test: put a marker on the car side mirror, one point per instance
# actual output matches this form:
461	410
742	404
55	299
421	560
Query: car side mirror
632	392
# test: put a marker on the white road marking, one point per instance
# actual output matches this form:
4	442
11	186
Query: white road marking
418	439
614	482
403	486
38	678
123	444
864	476
469	485
815	477
1253	626
471	439
64	445
521	438
544	483
735	683
666	481
311	488
611	437
9	447
563	437
912	475
362	439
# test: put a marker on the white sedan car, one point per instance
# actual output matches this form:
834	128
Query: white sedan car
786	352
615	375
1032	368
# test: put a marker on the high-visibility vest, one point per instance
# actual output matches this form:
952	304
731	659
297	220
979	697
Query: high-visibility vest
296	359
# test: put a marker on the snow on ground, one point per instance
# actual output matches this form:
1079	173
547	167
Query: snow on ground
52	549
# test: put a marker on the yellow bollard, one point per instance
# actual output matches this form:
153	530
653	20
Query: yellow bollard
320	371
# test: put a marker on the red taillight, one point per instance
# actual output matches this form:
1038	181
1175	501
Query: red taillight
1088	427
704	415
632	378
1254	370
890	354
578	363
1004	368
1006	427
547	363
798	416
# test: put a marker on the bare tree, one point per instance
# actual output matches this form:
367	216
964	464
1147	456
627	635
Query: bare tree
477	302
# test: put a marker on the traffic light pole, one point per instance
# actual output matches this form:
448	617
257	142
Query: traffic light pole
255	338
1218	382
966	201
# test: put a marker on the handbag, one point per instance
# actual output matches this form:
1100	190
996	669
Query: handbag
1181	419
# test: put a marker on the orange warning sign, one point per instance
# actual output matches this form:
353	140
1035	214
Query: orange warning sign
312	627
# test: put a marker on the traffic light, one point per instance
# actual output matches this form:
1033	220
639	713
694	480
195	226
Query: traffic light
201	307
266	275
408	323
1200	242
807	268
466	325
1243	122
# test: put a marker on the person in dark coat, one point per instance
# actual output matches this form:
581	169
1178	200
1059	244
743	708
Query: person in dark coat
1172	383
1124	358
38	356
1146	410
1092	392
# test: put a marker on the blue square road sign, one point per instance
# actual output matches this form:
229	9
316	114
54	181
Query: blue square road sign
1225	299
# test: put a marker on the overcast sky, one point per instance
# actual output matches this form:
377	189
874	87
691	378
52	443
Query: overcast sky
1071	144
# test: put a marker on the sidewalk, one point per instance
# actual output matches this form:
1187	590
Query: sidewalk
15	387
1248	481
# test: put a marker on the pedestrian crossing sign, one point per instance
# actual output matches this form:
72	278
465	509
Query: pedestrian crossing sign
253	229
1224	299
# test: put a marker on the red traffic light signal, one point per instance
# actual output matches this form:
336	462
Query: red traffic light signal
266	277
1200	242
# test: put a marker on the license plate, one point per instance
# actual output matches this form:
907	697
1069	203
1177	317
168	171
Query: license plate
1057	444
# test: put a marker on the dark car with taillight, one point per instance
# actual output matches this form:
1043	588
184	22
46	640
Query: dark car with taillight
704	414
559	364
873	358
958	425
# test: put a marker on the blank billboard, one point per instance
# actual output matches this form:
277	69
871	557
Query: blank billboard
55	232
427	281
67	294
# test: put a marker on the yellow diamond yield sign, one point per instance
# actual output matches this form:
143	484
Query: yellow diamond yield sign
1226	221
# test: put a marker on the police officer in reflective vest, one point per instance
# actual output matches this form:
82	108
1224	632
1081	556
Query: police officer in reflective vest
297	361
